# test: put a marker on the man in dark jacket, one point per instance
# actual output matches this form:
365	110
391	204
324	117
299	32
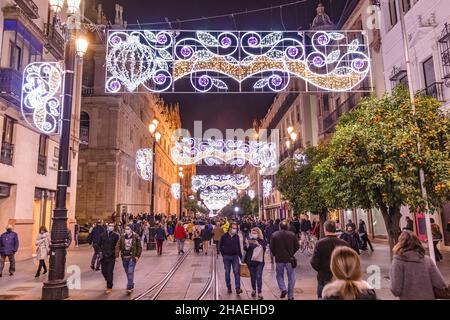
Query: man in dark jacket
94	240
107	244
9	244
130	249
321	258
245	228
270	230
362	231
284	245
230	248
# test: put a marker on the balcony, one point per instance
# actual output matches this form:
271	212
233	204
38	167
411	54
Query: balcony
435	90
7	153
55	42
29	7
84	135
11	85
42	165
87	91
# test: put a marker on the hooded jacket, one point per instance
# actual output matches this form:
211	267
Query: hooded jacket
414	276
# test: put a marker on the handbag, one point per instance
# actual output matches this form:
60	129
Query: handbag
442	293
258	254
293	262
244	272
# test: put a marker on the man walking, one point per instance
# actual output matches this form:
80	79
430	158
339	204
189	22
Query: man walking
107	244
94	240
270	230
230	249
9	244
321	258
130	249
284	245
362	230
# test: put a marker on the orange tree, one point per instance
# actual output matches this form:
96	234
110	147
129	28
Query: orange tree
373	159
301	187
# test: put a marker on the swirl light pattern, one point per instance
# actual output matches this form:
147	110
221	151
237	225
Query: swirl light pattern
41	96
218	198
267	187
176	190
203	182
144	162
189	151
238	61
251	194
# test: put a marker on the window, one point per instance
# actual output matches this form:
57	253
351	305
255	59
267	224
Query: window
42	156
7	148
393	12
84	129
406	5
326	103
429	75
15	56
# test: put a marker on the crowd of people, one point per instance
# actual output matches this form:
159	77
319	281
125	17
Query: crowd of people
245	242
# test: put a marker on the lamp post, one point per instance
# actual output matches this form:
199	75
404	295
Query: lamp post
156	137
181	175
56	286
236	211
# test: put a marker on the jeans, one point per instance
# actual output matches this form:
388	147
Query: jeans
76	239
12	262
96	257
108	271
256	270
159	245
180	245
129	265
232	262
291	278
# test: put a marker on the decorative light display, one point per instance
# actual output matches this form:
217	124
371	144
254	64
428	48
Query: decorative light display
300	159
218	198
176	190
189	151
234	61
41	96
144	161
239	182
267	187
251	194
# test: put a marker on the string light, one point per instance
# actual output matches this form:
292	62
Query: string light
144	160
267	187
218	198
176	190
41	95
190	151
251	194
203	182
156	60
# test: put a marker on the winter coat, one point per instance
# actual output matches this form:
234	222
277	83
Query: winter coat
180	233
230	245
353	239
96	233
321	258
107	244
136	246
332	291
305	225
217	233
43	246
9	243
414	276
270	230
284	245
160	234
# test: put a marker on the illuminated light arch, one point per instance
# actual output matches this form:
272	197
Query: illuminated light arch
144	162
41	103
175	189
218	61
203	182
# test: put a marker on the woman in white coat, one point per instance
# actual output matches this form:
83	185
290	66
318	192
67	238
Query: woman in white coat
42	250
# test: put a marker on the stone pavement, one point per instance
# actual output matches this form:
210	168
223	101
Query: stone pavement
189	280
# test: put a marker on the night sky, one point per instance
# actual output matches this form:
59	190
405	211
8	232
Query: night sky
222	111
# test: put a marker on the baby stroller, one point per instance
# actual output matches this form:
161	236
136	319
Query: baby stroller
198	245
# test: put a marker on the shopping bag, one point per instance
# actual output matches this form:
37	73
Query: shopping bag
258	254
244	272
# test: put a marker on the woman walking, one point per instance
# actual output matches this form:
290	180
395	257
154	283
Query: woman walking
414	276
160	237
347	281
180	236
437	237
42	250
254	258
206	235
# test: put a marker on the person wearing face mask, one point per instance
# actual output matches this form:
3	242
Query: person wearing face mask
42	250
254	258
230	248
130	249
9	244
107	245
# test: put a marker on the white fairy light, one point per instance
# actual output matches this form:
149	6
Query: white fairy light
175	189
41	96
155	60
267	187
202	182
251	194
190	151
216	198
144	162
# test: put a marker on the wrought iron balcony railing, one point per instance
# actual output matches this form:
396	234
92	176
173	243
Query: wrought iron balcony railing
7	153
11	85
435	90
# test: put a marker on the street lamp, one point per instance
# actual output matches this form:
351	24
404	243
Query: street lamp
181	175
56	286
292	137
82	45
156	137
236	211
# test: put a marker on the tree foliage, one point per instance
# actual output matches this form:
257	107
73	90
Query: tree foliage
373	159
247	206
